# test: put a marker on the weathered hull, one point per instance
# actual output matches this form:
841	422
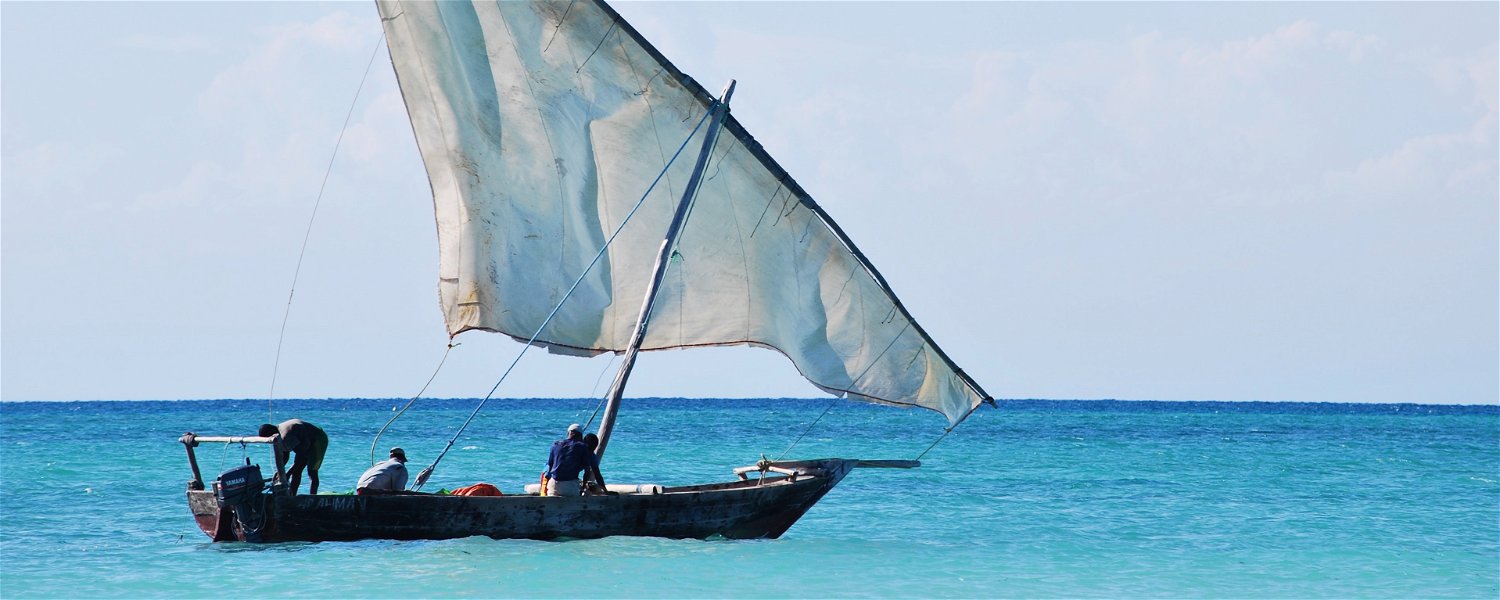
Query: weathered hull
755	508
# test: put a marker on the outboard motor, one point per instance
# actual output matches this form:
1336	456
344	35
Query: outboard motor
240	489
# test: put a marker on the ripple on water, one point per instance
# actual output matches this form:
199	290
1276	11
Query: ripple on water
1047	501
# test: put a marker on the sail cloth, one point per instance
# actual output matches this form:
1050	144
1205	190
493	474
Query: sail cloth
541	124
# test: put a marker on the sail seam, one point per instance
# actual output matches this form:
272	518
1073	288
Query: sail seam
661	152
739	236
864	312
452	181
887	348
692	204
546	131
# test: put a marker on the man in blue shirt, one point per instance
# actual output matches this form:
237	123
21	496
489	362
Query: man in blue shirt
385	476
568	458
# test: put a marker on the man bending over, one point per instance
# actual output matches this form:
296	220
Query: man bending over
305	440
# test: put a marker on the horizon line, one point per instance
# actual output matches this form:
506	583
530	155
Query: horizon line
997	400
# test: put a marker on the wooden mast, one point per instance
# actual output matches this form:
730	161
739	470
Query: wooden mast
663	257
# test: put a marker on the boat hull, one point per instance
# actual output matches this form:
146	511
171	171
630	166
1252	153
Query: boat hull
753	508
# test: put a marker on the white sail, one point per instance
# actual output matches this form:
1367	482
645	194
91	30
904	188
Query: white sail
541	125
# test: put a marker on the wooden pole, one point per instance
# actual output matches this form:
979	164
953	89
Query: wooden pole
188	441
663	257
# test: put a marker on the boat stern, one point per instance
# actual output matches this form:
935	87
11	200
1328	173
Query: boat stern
215	523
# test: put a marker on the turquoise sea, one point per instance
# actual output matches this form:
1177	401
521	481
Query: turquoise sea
1045	499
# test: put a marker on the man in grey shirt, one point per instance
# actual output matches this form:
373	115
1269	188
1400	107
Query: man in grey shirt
386	476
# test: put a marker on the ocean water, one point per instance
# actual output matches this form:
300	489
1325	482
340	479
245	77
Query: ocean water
1036	499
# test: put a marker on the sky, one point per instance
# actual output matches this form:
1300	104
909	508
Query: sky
1161	201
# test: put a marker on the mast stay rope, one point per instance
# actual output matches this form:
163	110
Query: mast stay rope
297	272
935	442
413	400
831	401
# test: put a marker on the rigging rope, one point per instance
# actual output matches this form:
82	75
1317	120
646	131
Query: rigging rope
597	380
934	444
558	27
225	454
602	399
413	400
427	472
597	407
286	315
809	428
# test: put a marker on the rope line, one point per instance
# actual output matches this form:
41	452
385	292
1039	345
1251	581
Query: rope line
934	444
809	428
835	399
427	472
559	26
602	399
376	441
612	25
600	379
297	273
597	407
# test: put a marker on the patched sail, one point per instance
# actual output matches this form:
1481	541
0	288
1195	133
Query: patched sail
541	125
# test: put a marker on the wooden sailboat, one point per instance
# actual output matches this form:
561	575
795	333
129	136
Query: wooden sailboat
547	130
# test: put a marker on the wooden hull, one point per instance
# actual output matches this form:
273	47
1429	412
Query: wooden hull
753	508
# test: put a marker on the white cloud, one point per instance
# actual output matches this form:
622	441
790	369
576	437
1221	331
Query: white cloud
56	175
1248	57
1301	188
1265	116
282	67
267	124
369	138
1459	164
1358	47
1136	208
172	43
1456	165
1474	76
206	181
1484	71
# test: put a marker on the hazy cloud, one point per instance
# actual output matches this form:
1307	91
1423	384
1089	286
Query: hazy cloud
168	43
1223	201
269	122
54	175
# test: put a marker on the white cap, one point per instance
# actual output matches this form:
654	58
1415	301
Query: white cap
575	427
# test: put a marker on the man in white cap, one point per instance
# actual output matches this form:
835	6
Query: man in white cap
386	476
568	458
